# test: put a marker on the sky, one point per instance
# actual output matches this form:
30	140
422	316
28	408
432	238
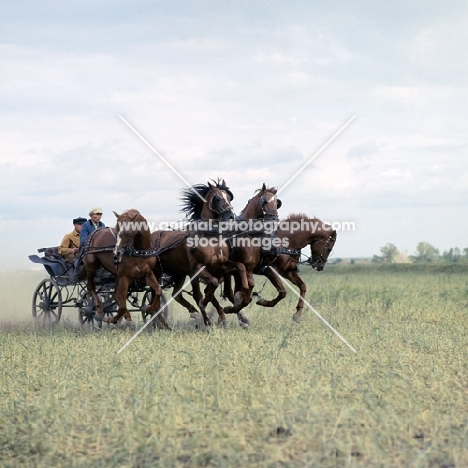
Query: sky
246	91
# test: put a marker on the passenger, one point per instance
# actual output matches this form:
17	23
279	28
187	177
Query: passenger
92	224
70	244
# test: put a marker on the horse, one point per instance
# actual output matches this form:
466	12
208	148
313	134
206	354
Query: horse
211	201
124	251
298	230
200	203
220	255
264	206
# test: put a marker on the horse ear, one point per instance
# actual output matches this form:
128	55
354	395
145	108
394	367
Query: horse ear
273	190
211	186
223	183
116	214
278	203
263	187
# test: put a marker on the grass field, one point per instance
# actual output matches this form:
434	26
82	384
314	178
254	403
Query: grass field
280	394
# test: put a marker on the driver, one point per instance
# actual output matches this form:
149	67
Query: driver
92	224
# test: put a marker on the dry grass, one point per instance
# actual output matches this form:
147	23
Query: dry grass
279	394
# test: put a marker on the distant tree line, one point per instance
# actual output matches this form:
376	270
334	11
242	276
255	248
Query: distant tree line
425	253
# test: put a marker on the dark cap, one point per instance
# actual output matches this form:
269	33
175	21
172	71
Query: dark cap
79	221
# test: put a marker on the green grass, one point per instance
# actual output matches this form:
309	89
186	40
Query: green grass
278	394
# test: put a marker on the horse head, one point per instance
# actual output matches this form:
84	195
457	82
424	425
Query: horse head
130	227
263	205
211	201
320	250
219	199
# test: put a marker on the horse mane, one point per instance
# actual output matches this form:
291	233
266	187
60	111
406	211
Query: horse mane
267	189
132	214
192	204
299	216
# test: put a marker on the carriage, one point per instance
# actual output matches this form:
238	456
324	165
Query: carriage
61	289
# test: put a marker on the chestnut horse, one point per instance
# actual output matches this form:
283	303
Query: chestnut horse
126	253
299	231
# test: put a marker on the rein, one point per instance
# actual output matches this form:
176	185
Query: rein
88	247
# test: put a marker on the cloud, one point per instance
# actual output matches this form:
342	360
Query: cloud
243	91
369	148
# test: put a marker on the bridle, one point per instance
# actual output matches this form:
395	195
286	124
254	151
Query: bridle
120	249
320	263
263	202
220	210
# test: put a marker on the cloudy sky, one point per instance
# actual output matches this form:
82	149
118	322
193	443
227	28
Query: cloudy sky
247	91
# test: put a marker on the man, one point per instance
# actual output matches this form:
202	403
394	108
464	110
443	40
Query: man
70	244
92	224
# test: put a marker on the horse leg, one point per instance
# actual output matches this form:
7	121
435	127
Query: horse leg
152	282
297	281
243	290
92	265
177	294
120	295
212	284
277	283
208	297
227	288
219	309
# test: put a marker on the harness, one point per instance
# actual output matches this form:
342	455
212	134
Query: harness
266	215
87	247
325	247
222	210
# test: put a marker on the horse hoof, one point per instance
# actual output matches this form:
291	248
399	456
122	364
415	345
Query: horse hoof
297	318
222	323
243	325
129	324
260	302
196	316
243	318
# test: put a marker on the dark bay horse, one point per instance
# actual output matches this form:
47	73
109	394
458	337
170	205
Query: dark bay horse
299	231
126	252
199	203
239	251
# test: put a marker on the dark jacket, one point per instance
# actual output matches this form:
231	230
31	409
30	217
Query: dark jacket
87	229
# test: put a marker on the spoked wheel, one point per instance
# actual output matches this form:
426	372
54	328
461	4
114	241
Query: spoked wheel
147	300
47	302
87	309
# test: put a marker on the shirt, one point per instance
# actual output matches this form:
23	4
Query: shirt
69	242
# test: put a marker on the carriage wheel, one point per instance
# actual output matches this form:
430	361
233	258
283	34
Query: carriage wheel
87	311
148	299
47	302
